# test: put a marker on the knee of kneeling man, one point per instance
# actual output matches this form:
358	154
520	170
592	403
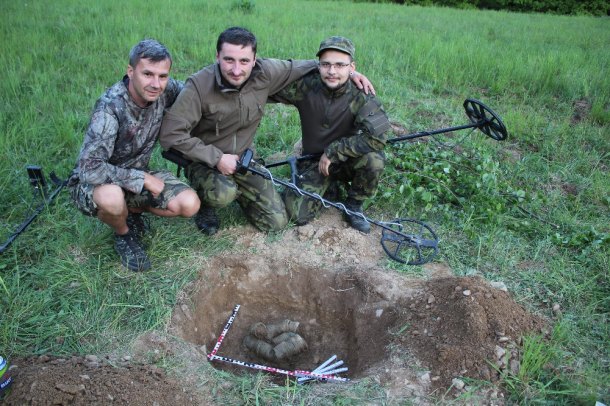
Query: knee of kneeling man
277	223
190	205
219	200
109	198
374	162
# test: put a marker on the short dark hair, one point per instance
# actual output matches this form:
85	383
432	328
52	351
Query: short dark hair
148	49
236	36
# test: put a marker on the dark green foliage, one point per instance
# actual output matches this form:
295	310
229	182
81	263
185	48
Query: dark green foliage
441	181
594	7
565	7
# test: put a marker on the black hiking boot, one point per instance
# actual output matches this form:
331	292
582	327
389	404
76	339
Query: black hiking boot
333	193
356	220
207	221
138	224
131	252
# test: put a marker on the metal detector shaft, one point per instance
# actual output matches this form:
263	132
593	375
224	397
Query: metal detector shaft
429	133
339	206
29	220
289	161
292	159
481	117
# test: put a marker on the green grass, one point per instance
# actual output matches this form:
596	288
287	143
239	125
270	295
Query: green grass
531	211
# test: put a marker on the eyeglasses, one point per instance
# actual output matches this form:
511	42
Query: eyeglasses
337	66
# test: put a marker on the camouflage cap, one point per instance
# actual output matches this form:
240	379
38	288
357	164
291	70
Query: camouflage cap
339	43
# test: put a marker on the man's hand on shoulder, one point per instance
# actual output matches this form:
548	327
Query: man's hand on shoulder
227	164
362	83
153	184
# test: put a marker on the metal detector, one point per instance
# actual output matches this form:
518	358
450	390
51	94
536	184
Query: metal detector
407	241
41	190
481	117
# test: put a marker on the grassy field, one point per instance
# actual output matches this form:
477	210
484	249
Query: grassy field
532	211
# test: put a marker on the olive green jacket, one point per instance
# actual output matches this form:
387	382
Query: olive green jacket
209	118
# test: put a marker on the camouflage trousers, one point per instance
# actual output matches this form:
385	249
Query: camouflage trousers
257	197
82	194
362	174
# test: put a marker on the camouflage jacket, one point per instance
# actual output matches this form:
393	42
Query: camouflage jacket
120	138
344	122
210	119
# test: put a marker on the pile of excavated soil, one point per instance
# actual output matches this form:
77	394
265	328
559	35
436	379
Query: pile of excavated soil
91	380
463	327
412	336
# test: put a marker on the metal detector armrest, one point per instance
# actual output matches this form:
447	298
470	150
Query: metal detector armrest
176	157
179	159
37	180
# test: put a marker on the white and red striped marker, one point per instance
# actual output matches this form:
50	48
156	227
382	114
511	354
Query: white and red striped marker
324	372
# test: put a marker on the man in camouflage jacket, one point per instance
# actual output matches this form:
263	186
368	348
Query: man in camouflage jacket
214	121
346	126
112	180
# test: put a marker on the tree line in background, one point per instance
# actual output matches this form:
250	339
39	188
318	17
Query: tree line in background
566	7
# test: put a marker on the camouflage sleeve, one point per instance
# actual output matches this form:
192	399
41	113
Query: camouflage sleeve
283	72
96	151
289	94
372	123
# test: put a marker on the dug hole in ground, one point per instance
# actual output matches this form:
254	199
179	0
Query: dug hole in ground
416	338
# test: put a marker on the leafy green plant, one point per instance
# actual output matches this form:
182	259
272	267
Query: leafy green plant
584	241
442	181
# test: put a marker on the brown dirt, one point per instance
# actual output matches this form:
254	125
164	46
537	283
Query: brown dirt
557	184
86	381
459	326
581	111
412	336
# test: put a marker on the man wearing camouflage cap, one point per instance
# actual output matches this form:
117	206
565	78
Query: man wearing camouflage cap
112	180
346	126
